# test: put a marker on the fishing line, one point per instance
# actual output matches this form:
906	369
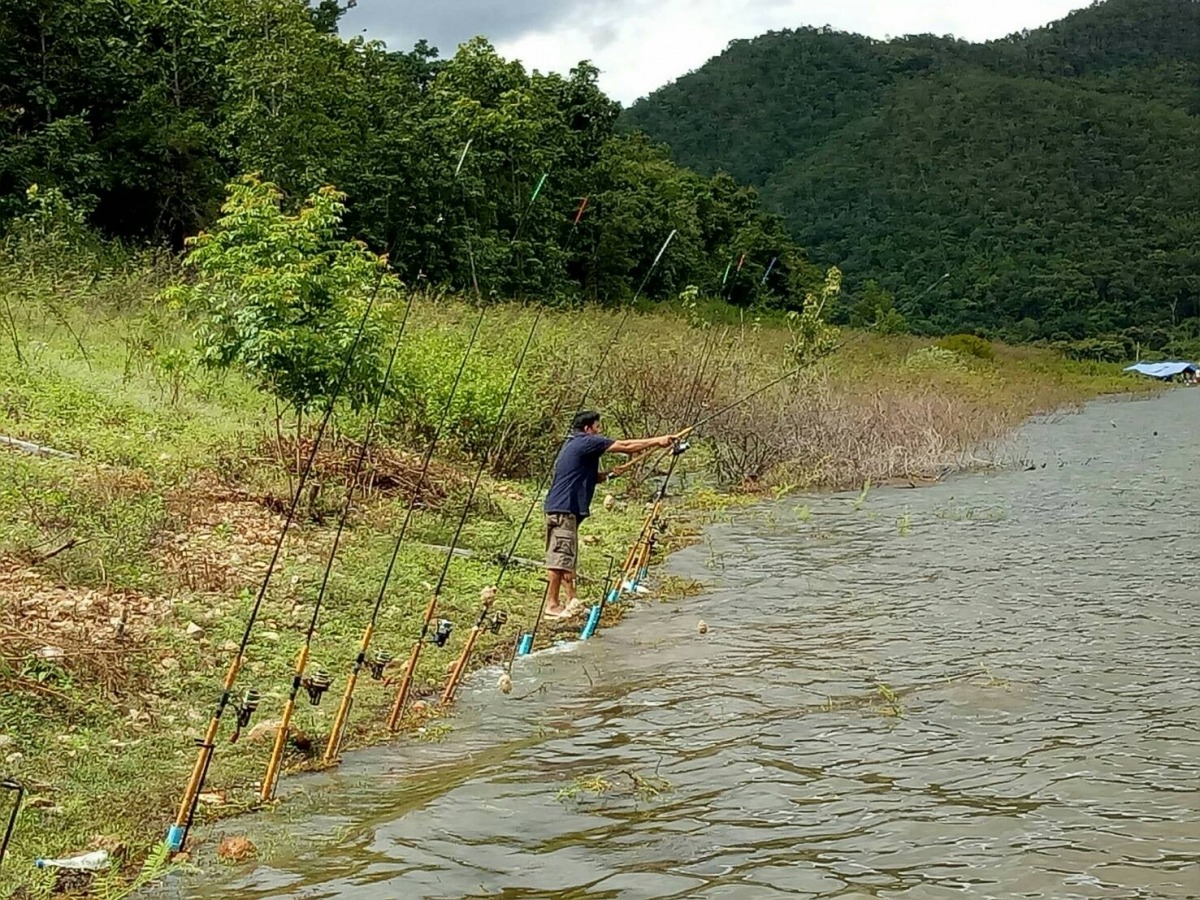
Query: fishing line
443	629
497	621
523	644
178	831
380	661
638	556
320	681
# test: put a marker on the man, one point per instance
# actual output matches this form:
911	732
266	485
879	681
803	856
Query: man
576	474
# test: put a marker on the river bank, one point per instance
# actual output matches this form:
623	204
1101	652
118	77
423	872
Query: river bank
127	567
983	687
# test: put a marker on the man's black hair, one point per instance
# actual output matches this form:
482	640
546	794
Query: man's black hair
584	420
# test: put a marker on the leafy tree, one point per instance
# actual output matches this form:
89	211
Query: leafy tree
283	297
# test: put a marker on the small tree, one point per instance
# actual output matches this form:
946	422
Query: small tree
812	336
282	297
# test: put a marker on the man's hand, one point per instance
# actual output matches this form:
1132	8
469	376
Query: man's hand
665	441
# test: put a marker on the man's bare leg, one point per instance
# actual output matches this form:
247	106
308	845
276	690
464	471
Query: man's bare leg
553	606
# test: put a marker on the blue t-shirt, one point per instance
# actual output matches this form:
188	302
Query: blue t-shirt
575	473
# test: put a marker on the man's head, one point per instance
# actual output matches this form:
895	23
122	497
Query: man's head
587	422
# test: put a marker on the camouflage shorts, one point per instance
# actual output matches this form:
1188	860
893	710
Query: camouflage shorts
562	541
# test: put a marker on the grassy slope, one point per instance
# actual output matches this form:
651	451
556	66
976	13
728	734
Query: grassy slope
164	504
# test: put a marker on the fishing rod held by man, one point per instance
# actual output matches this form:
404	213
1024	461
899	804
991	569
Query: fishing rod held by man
568	502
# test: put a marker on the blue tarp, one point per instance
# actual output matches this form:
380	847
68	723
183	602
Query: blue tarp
1162	369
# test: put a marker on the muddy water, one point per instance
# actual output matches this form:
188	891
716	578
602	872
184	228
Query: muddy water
987	688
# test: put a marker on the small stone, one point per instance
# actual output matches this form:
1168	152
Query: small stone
487	595
114	845
702	627
272	636
609	501
229	647
263	731
194	631
50	653
169	663
505	684
14	760
236	849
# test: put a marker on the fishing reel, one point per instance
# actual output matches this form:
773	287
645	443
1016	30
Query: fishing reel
245	711
377	663
497	621
442	633
317	684
681	447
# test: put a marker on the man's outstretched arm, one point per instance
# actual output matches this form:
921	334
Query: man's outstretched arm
637	446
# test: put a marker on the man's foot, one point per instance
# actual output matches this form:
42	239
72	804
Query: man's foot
571	609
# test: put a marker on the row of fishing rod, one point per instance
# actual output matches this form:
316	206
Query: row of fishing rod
433	629
625	578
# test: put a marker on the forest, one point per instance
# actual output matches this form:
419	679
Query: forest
141	112
1037	188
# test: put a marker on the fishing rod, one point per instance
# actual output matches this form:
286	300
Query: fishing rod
245	708
320	681
444	627
523	645
11	784
500	618
636	566
381	659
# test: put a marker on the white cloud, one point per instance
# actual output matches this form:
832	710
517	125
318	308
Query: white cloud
640	45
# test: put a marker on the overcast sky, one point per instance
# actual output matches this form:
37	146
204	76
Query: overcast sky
640	45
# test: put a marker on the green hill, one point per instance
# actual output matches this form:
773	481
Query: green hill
1053	174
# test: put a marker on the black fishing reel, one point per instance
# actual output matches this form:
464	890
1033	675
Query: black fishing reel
317	684
442	633
680	447
378	662
245	711
498	621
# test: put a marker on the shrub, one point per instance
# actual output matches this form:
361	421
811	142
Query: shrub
968	345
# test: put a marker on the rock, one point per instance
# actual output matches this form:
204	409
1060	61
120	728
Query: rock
211	798
236	849
229	647
272	636
169	663
50	653
14	760
113	845
420	707
505	684
39	803
487	595
5	740
702	627
194	631
263	731
609	501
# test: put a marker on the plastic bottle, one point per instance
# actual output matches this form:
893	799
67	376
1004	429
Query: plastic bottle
91	862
